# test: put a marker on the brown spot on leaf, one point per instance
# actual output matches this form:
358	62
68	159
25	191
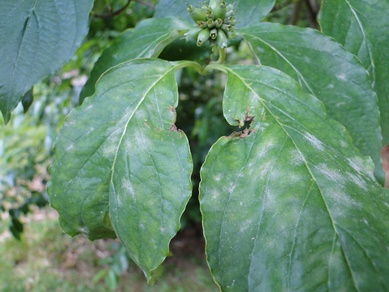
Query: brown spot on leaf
173	128
243	134
246	122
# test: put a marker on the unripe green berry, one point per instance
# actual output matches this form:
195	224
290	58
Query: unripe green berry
197	14
220	10
202	24
192	34
218	22
210	23
230	20
203	36
213	4
227	27
221	39
230	8
213	33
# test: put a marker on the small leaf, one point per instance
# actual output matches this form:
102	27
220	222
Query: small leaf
27	99
120	160
324	69
362	28
289	204
147	40
37	37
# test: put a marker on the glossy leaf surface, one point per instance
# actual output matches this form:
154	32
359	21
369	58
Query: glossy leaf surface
122	166
147	40
36	38
362	28
324	69
247	12
289	204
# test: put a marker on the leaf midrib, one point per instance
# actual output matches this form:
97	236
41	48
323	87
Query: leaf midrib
130	118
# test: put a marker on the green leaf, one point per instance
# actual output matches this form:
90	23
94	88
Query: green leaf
120	160
324	69
289	204
362	28
37	37
247	12
166	8
28	99
147	40
250	12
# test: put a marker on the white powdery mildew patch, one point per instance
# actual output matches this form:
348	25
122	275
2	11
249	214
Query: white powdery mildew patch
215	194
341	76
316	143
265	169
295	157
90	130
358	180
333	174
342	200
70	147
109	149
359	166
217	177
128	188
138	141
231	188
245	225
268	145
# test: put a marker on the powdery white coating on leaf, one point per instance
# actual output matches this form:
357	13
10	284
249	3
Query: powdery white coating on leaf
358	180
334	174
295	157
109	150
342	76
314	141
129	188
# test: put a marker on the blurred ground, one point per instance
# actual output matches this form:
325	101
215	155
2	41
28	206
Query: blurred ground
48	260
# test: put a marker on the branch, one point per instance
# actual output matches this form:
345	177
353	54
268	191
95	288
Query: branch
312	14
113	13
296	12
146	3
281	5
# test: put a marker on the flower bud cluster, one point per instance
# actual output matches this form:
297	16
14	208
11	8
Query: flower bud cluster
215	21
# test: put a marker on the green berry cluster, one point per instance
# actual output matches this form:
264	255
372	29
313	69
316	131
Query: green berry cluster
215	21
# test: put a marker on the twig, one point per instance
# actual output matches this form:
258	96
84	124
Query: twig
146	3
113	13
296	12
312	14
281	5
